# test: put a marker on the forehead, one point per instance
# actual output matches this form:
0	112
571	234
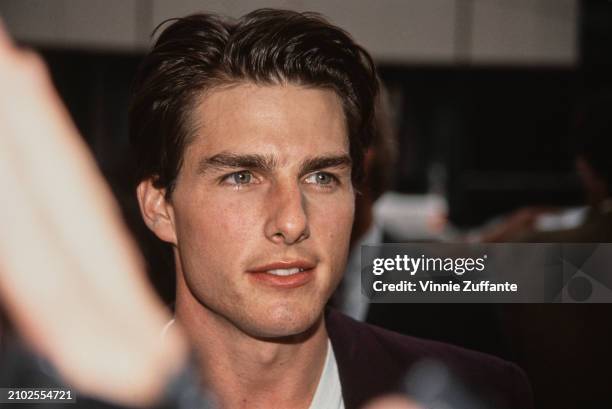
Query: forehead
282	120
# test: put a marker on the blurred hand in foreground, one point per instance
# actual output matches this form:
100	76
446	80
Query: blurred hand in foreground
71	277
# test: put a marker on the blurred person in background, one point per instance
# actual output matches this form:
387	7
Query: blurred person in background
592	136
593	142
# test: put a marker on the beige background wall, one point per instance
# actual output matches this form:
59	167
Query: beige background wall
516	32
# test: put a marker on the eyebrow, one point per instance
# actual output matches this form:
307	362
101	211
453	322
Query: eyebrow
232	160
267	163
324	162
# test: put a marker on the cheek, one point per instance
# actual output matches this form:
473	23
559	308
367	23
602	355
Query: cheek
343	218
214	224
333	219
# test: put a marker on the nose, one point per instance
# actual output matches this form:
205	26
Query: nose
287	221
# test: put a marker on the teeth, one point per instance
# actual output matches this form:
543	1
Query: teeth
285	271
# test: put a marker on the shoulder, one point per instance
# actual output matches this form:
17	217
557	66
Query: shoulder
366	351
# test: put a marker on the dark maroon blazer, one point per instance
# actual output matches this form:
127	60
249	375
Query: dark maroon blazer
373	361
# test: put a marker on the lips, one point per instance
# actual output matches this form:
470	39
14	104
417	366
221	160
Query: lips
284	274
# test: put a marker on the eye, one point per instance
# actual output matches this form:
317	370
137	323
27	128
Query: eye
321	178
243	177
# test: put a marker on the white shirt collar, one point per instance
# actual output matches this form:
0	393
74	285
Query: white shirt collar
329	391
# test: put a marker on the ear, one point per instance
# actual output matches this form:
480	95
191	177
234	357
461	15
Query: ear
156	211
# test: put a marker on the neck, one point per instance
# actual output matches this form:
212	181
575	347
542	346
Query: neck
243	371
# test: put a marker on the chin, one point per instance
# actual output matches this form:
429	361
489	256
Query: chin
285	321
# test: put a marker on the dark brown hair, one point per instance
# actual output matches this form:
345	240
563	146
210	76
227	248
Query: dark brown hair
201	51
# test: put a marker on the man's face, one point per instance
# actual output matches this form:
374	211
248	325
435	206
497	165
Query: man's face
263	206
